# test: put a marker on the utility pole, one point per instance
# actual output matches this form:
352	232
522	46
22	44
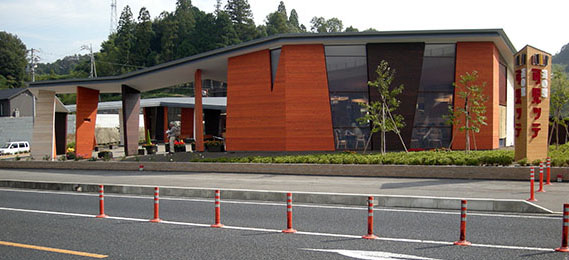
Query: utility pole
93	73
114	20
33	63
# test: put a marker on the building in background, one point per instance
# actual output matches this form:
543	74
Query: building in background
301	92
16	102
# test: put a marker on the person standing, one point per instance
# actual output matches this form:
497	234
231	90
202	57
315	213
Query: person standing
173	133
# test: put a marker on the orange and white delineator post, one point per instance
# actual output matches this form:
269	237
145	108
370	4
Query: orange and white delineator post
156	218
531	184
217	210
370	234
462	240
548	178
101	202
565	228
541	177
289	228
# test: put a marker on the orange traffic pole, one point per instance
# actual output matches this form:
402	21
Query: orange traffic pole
217	210
370	234
101	202
156	218
548	178
565	229
289	228
531	184
541	177
462	240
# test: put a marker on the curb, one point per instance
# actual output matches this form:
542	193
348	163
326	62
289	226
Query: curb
475	204
354	170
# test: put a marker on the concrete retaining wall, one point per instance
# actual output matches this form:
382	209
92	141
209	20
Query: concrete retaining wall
408	171
16	129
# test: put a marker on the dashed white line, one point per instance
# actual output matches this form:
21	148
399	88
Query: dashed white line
404	240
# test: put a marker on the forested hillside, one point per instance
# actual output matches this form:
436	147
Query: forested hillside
562	57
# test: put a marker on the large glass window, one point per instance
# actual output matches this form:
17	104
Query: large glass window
434	97
346	67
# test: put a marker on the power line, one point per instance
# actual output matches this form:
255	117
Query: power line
33	63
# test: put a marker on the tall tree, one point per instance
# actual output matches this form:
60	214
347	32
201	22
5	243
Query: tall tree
277	23
143	36
380	113
558	101
321	25
125	38
471	115
12	61
294	23
240	13
185	20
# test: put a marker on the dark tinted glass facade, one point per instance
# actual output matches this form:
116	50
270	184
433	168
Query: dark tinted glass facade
434	97
347	81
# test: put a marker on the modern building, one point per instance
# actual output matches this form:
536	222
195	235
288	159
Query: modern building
301	92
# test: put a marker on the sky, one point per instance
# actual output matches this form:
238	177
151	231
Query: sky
58	28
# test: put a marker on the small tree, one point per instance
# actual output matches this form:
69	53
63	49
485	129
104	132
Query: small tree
559	99
472	115
379	113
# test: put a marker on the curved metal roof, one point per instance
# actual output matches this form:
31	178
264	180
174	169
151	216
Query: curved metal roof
214	63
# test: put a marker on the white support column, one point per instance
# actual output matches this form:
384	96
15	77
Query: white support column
510	113
43	137
121	128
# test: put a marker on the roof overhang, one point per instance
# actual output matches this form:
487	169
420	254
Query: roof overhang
213	103
214	63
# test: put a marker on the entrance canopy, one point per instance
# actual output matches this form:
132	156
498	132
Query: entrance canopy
213	64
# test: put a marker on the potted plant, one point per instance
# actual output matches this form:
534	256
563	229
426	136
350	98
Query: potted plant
179	146
70	154
149	146
213	146
106	154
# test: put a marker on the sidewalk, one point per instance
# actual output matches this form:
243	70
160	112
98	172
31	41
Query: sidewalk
552	199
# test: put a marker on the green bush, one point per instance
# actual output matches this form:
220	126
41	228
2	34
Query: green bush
560	157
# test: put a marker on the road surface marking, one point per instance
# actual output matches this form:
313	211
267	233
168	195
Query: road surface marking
50	249
369	255
444	212
405	240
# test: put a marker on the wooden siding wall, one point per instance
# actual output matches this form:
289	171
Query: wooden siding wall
187	127
255	113
484	58
293	115
86	116
307	100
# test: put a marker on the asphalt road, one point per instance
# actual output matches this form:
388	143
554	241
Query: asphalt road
553	199
66	221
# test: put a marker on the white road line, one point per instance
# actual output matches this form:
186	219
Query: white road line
404	240
284	204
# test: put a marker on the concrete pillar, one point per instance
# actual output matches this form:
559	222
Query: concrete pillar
86	116
198	111
130	118
43	137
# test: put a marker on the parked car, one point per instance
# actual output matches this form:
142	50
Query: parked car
15	147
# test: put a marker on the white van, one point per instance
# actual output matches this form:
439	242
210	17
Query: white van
15	147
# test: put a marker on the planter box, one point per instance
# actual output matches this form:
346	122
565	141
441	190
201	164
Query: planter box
105	154
151	149
214	148
180	149
140	151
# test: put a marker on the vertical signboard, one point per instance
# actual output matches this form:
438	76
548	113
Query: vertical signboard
531	103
